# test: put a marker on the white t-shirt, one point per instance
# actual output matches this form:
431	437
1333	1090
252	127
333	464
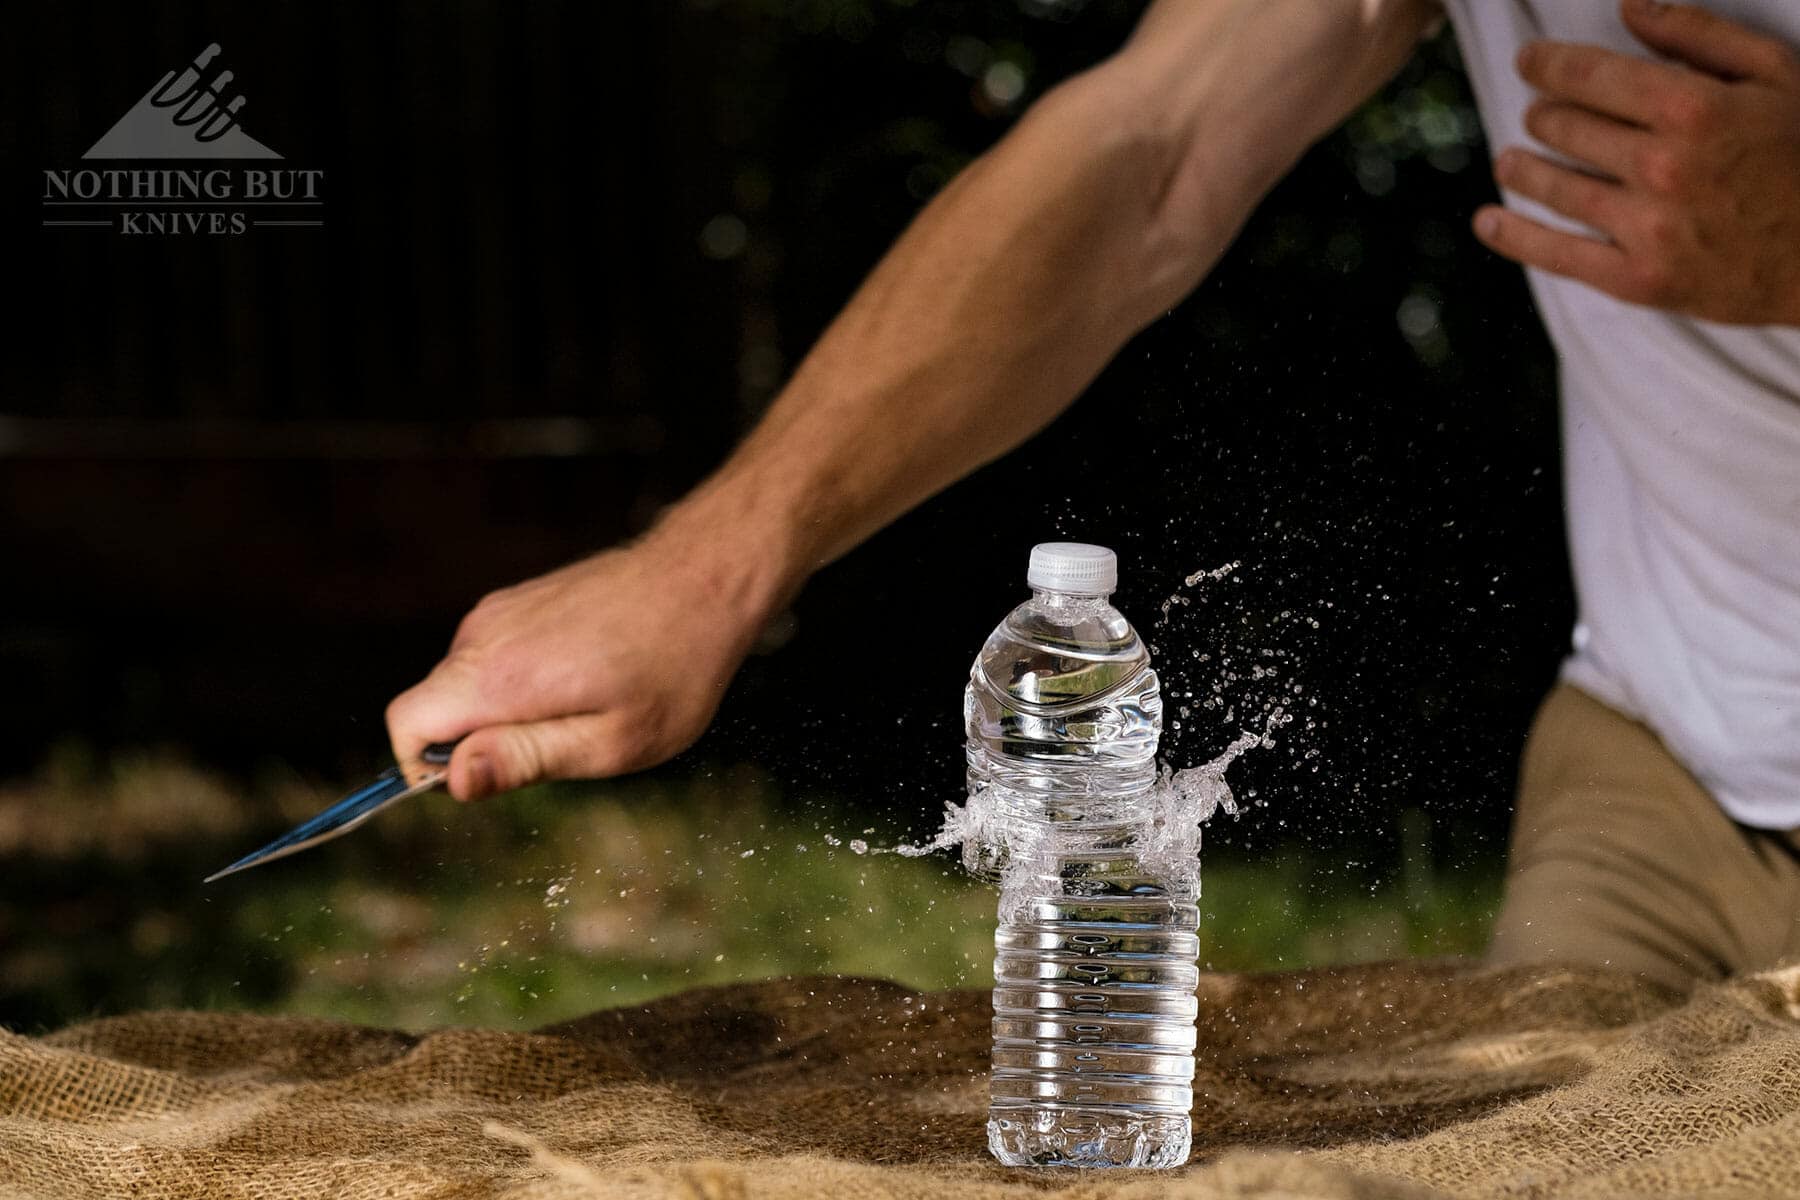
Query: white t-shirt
1681	452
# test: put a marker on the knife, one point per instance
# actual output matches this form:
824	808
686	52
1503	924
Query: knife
388	788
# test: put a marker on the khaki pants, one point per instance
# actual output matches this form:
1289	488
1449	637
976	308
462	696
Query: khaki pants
1620	858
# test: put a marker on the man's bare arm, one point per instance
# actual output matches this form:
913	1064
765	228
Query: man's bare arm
1111	200
1107	203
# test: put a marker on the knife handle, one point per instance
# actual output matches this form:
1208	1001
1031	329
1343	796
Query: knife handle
438	753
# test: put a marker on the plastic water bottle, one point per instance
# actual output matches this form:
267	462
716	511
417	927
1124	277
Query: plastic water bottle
1094	971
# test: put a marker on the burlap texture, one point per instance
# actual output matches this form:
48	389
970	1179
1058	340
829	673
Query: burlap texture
1393	1080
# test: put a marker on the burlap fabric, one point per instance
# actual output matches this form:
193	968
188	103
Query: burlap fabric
1397	1080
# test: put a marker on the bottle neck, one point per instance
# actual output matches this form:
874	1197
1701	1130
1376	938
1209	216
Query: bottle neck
1070	602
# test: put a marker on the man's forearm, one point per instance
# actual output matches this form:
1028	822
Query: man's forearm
1011	291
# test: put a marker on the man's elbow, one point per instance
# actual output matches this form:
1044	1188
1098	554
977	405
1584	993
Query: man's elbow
1212	123
1133	171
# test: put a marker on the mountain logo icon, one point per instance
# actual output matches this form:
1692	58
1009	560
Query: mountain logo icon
188	114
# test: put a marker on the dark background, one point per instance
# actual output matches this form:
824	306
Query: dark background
571	251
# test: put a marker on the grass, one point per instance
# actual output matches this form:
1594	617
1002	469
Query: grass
559	900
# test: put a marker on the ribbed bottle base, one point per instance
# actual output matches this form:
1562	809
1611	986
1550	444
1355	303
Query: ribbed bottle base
1077	1137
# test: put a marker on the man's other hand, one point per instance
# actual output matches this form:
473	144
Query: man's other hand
1692	168
613	664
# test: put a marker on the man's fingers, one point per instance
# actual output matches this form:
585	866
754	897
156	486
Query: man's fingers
1709	42
1526	241
1601	142
440	708
1621	86
1571	193
499	758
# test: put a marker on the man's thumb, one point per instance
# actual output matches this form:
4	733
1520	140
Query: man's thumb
499	758
1707	41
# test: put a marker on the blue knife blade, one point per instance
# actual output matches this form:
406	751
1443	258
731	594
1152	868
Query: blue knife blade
388	788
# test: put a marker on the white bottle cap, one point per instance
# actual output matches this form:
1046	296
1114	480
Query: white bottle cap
1073	567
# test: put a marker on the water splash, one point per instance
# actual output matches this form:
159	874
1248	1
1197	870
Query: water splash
1167	819
1177	805
1203	575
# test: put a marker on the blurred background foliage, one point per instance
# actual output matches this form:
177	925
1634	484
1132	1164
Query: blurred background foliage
571	253
563	899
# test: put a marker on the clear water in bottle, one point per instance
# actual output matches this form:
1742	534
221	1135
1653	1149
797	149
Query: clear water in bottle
1094	971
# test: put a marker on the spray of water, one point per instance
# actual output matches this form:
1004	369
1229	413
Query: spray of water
1169	816
1198	577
